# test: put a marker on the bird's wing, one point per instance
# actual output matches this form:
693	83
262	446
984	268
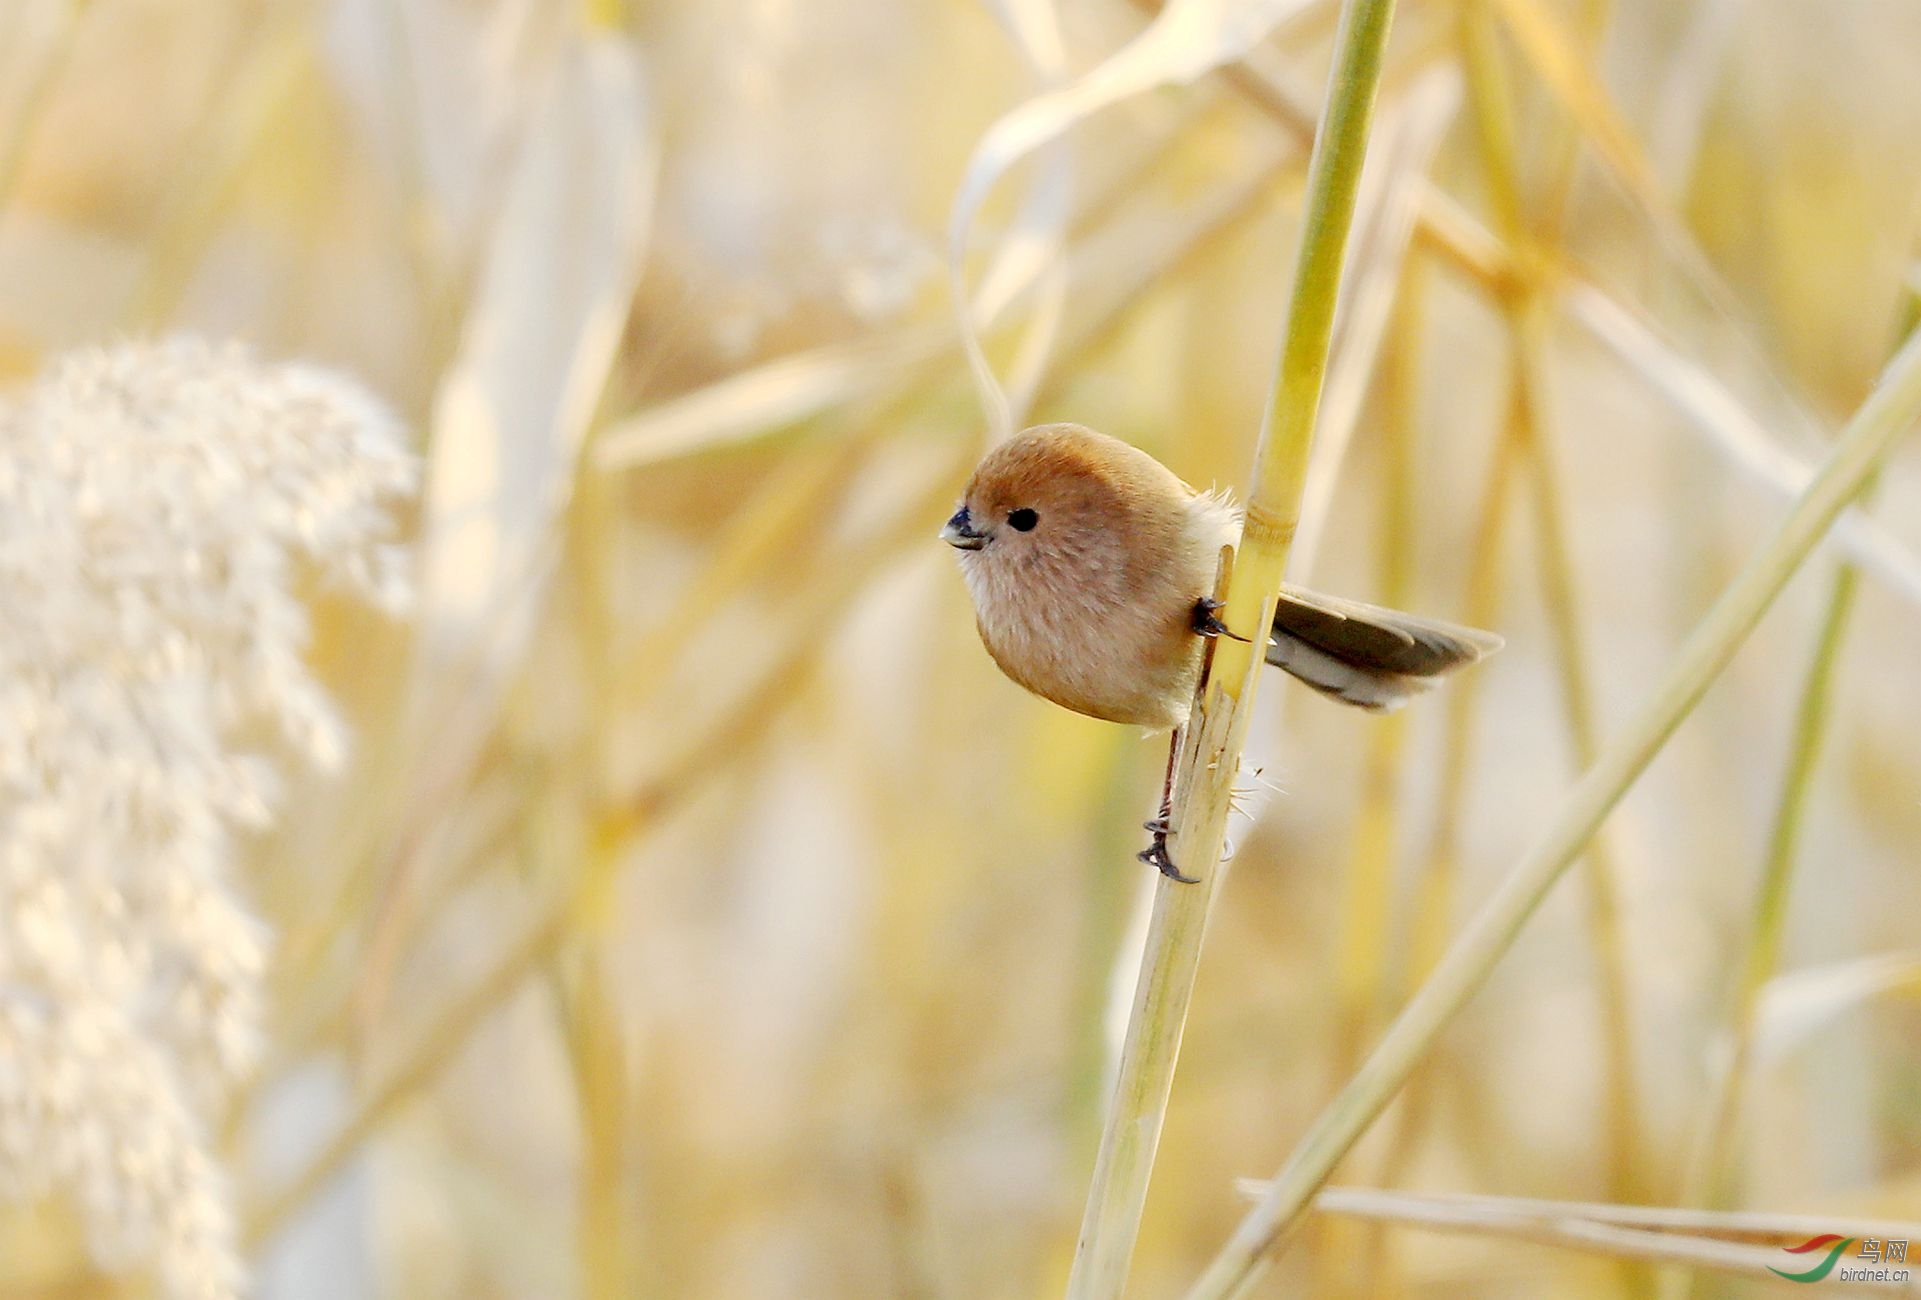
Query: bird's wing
1374	639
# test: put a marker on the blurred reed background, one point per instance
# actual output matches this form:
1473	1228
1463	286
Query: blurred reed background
698	912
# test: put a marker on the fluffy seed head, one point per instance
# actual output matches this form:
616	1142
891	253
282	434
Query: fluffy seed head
164	509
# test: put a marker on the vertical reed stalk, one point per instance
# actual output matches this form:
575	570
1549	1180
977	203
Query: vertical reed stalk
1213	739
1432	913
1481	607
589	1015
1367	972
602	1089
1620	1075
1363	972
1888	413
1492	106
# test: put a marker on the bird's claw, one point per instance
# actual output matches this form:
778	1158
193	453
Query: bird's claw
1155	854
1207	620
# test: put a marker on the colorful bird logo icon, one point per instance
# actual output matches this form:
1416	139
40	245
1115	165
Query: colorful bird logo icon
1827	1241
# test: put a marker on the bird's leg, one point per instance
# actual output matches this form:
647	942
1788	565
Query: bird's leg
1207	621
1161	825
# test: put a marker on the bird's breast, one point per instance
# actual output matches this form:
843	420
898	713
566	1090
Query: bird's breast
1098	640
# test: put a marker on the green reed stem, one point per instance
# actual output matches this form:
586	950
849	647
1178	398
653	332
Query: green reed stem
1212	742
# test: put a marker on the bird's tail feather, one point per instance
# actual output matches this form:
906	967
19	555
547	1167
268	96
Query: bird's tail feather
1374	658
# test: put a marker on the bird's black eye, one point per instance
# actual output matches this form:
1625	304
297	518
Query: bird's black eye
1023	520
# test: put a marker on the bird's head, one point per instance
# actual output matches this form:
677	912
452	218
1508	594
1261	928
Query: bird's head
1054	490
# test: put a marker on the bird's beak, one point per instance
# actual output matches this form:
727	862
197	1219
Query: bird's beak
959	532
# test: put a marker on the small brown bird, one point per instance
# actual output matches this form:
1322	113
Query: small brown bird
1091	564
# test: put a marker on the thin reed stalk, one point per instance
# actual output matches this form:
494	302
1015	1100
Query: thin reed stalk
1811	724
1636	1235
589	1015
1366	973
1432	913
604	1222
1211	743
1710	1177
1362	968
1434	909
1492	106
1767	1229
1561	596
1888	413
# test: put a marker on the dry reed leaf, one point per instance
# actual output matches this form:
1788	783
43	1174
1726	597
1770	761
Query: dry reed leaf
1731	430
765	399
1693	74
1103	265
1029	251
1187	39
1040	233
514	409
758	402
1796	1005
1709	406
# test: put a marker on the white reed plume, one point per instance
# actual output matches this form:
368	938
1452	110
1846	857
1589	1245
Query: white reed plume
164	509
